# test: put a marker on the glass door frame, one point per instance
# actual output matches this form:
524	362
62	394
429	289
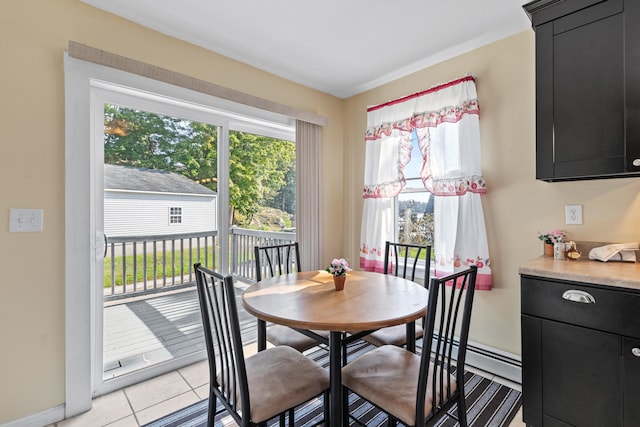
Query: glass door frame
85	87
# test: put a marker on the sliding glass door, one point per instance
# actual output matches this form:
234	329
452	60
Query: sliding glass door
169	179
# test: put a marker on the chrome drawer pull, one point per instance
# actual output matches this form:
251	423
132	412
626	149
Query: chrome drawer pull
579	296
635	351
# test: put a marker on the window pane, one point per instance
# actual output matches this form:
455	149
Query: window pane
412	169
262	172
415	205
152	162
413	184
415	218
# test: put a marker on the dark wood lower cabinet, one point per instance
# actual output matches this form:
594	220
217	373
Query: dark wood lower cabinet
577	375
580	377
631	356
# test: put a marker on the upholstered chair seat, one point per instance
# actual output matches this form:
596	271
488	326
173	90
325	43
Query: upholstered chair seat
279	378
393	335
388	377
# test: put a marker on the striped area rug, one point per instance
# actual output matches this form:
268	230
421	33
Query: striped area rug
488	404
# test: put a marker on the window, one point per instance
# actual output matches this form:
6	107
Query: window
414	208
175	215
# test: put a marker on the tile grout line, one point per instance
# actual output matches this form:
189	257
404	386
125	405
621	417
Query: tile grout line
135	415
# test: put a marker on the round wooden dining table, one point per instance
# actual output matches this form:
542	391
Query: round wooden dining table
308	301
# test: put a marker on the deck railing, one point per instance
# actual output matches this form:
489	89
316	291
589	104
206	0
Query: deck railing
136	265
242	243
146	264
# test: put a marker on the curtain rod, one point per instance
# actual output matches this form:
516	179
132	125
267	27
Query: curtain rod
424	92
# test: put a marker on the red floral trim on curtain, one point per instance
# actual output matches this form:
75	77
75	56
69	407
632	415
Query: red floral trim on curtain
383	190
455	186
484	281
451	114
376	132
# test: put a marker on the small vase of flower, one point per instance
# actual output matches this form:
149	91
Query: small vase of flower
338	269
550	238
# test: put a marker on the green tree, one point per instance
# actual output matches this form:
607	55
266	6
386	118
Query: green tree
285	200
260	167
143	139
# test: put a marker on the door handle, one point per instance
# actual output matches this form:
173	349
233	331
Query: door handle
578	296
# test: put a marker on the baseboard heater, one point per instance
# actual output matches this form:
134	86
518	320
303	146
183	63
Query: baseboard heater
493	361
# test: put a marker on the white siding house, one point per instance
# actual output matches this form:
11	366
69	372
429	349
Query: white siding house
140	202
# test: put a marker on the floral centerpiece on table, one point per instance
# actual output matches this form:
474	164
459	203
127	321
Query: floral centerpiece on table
338	267
551	237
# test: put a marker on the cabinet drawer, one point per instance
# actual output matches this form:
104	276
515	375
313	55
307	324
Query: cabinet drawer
611	310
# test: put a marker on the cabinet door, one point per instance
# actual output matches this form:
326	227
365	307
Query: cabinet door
581	376
631	353
580	70
632	63
531	371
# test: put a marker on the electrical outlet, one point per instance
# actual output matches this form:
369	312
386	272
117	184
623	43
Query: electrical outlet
573	214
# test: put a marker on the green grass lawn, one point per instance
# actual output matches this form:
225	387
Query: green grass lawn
412	254
171	261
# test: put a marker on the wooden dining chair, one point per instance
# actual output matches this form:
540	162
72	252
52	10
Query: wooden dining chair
414	389
263	386
272	261
410	262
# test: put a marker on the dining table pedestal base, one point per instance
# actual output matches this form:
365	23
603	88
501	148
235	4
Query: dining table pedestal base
335	377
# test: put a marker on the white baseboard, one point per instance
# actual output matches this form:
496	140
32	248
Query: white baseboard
494	361
39	419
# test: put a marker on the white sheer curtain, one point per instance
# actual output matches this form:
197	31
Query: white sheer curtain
446	121
387	150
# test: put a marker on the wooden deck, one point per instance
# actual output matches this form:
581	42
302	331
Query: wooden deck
143	331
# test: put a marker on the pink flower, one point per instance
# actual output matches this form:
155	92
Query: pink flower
554	236
338	267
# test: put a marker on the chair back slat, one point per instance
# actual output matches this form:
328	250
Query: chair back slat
221	325
404	259
449	309
276	260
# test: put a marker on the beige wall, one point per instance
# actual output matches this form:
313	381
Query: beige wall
33	37
516	206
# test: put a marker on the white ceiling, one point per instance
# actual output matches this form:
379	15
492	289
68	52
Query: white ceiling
341	47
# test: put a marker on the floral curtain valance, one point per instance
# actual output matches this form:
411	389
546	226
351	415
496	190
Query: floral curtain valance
445	119
448	170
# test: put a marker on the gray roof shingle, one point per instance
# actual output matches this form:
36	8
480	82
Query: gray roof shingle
138	179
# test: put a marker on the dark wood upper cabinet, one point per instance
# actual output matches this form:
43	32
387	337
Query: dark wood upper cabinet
587	88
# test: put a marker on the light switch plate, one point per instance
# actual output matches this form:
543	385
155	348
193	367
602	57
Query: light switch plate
573	214
25	220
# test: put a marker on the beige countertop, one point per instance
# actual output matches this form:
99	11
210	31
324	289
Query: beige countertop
618	274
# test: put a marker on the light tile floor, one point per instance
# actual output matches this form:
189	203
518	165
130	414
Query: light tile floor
142	403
